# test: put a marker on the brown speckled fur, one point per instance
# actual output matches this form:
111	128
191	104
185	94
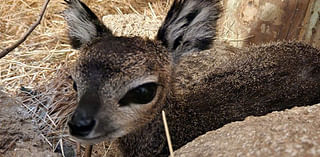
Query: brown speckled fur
215	87
200	91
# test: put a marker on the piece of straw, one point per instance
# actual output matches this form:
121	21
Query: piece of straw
167	133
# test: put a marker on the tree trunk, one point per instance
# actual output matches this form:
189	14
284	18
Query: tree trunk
258	21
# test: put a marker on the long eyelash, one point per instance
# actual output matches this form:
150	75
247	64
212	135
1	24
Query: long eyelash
74	86
159	85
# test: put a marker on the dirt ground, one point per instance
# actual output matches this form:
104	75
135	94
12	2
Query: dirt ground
18	134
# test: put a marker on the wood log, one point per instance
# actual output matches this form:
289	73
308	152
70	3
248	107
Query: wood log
258	21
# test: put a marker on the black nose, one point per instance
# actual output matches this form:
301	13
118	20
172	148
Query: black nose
81	124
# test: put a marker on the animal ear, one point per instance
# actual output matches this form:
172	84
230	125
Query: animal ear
83	24
190	25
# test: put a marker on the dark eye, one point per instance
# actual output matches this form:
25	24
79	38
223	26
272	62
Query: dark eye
74	85
142	94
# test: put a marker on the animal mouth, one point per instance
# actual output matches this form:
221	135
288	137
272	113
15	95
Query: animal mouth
93	139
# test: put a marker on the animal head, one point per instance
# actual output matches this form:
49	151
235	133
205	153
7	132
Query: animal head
123	82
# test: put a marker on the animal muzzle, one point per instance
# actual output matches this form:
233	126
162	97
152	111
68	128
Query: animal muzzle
83	120
81	125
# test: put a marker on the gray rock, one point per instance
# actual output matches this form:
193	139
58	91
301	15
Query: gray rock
294	132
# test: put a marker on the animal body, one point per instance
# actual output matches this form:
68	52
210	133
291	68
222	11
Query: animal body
123	83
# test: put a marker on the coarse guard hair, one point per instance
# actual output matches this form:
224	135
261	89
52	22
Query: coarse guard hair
84	25
190	26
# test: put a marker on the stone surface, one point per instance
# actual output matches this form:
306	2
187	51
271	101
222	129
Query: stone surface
294	132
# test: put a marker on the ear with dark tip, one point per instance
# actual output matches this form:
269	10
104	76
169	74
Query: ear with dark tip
83	24
190	25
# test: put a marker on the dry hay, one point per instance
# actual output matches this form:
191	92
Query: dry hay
41	65
130	22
